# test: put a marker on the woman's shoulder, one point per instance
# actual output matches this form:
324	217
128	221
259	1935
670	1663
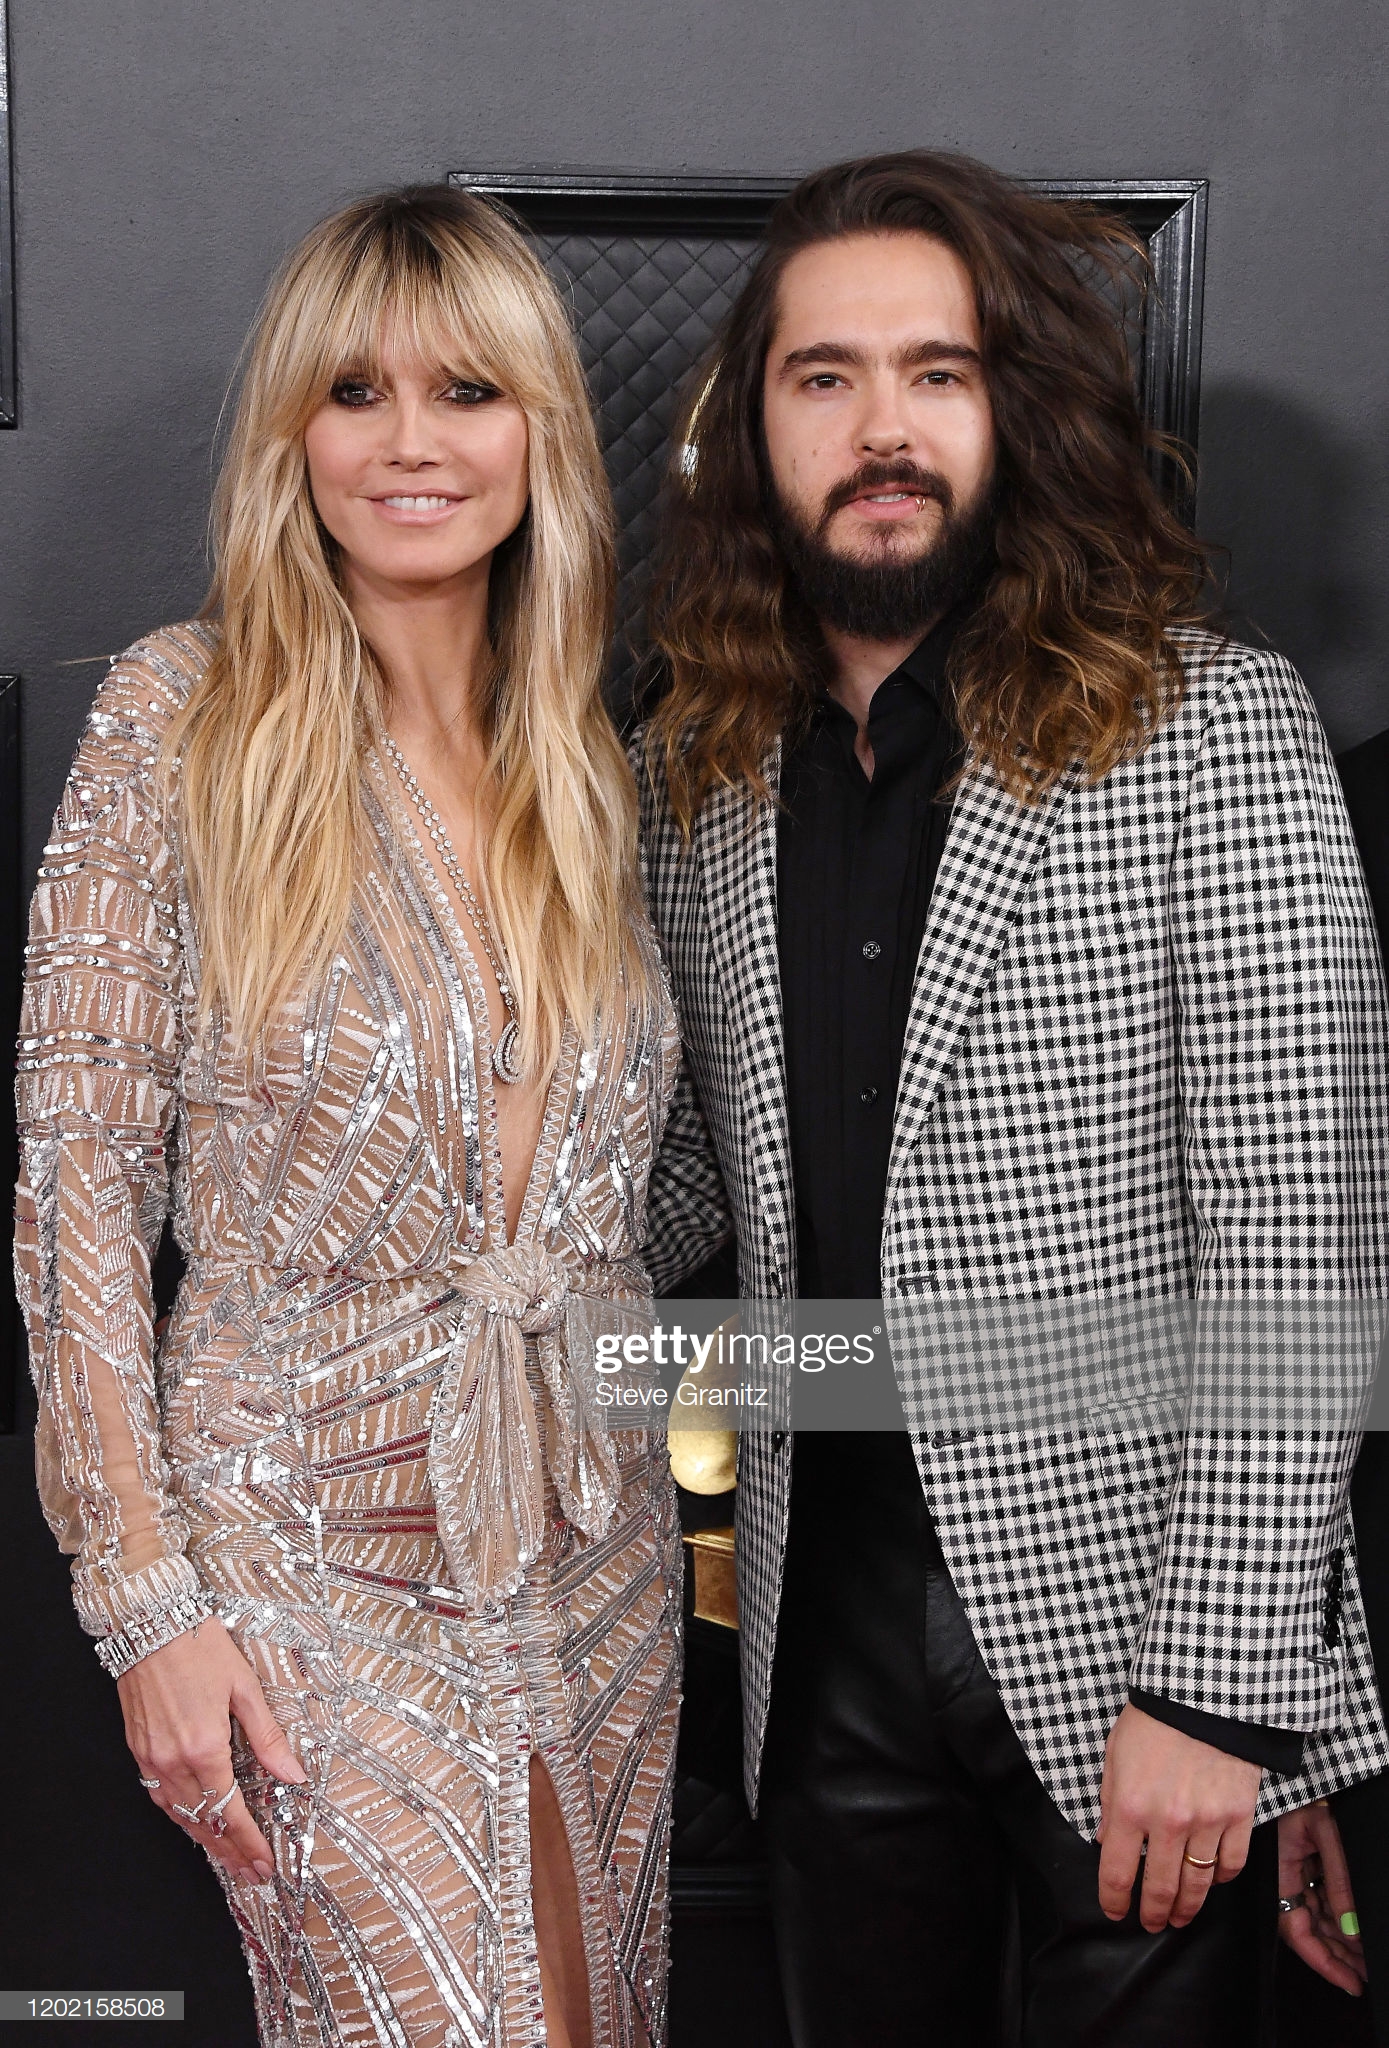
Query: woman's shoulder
139	697
153	678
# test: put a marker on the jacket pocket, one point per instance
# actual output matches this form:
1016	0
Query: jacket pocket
1138	1446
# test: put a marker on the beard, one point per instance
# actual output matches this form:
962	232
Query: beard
883	594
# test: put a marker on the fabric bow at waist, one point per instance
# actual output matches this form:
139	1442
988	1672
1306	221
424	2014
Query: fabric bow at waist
486	1439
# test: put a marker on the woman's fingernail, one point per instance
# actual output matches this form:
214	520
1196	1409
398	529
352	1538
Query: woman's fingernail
1350	1923
263	1872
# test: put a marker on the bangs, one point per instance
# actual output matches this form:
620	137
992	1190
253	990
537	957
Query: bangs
422	330
446	307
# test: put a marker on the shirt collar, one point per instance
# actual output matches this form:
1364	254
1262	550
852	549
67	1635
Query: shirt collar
925	665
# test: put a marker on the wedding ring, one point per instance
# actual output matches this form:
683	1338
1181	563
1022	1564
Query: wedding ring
150	1784
1200	1862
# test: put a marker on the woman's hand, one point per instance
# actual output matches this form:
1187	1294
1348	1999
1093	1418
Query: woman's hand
178	1704
1312	1867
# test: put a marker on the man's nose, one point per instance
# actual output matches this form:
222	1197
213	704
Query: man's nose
884	425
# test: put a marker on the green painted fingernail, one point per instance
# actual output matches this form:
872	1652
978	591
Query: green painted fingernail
1350	1923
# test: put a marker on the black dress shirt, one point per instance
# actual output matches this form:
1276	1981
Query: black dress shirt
856	863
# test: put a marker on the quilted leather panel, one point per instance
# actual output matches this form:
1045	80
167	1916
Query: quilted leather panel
646	308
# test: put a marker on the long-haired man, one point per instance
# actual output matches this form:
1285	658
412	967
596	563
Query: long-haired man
1021	952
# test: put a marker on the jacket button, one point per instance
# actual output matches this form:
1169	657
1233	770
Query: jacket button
868	1095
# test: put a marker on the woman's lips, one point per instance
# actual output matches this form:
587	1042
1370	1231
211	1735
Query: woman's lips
422	508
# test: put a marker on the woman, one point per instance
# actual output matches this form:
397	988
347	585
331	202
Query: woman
336	950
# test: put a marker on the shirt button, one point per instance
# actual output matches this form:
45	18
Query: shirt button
868	1095
871	949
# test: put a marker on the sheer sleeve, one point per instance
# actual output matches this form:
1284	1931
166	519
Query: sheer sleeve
97	1076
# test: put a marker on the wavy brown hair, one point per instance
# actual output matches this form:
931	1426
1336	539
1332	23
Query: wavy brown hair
1069	656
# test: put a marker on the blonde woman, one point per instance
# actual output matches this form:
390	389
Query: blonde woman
335	957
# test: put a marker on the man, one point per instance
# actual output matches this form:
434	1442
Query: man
1084	1003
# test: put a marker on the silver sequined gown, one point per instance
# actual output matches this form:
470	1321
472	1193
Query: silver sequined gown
357	1439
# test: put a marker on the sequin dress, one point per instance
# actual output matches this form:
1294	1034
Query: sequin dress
357	1441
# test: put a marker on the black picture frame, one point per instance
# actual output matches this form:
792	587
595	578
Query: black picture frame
1169	214
9	397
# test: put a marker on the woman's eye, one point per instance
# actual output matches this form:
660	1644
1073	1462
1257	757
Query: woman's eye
353	391
463	391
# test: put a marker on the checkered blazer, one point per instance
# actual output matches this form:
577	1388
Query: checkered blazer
1146	1057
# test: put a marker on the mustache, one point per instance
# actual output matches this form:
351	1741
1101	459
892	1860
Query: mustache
889	476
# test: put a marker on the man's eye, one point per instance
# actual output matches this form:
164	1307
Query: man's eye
940	378
353	391
823	380
463	391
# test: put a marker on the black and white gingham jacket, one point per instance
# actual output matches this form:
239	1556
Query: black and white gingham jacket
1146	1057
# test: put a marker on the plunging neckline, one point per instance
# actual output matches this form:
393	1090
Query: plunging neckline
560	1083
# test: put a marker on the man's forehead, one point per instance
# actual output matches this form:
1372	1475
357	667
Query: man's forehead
877	294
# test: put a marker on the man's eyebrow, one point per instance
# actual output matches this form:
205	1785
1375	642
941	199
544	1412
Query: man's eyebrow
912	355
917	353
825	352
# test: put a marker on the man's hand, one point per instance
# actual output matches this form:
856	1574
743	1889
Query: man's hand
1184	1799
1312	1867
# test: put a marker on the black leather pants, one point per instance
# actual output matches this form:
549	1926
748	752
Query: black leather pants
925	1889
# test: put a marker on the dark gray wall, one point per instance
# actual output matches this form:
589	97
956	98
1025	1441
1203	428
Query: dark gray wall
165	153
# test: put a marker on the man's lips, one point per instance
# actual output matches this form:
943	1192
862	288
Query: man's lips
889	504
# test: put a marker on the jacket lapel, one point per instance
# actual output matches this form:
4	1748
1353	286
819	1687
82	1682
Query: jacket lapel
991	853
735	840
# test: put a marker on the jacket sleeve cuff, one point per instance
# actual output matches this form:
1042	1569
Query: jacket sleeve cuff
1276	1749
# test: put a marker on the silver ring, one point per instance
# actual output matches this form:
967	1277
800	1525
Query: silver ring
1294	1904
150	1784
192	1814
216	1819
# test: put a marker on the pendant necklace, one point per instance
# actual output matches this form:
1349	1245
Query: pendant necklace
506	1053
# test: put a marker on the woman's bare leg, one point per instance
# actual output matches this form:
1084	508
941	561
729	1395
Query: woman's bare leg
558	1925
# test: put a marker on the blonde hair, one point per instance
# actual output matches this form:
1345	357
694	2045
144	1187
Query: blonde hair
265	761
